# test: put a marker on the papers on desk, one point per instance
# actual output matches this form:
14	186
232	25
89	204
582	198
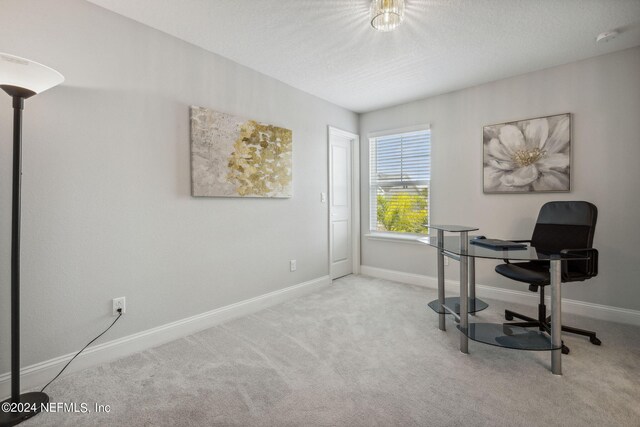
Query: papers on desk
497	244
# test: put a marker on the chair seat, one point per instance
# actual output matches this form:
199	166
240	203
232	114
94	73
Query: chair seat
535	273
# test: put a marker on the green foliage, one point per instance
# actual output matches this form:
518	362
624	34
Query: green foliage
403	212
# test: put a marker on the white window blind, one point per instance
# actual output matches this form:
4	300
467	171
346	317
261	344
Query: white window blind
400	173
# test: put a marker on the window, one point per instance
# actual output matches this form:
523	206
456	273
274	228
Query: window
400	172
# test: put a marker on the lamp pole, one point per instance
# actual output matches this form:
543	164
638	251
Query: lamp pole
18	106
26	405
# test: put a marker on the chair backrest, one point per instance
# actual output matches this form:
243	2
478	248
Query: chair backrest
566	225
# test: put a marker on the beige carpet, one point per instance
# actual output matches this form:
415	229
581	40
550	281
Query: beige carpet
364	352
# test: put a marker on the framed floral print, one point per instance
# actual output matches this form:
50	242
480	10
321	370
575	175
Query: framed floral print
528	156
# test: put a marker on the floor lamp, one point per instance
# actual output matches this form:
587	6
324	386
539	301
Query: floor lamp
21	79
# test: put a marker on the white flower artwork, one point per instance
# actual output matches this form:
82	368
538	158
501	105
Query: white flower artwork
527	156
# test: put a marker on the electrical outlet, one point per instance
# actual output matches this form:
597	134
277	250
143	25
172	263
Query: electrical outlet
119	303
293	265
323	197
446	261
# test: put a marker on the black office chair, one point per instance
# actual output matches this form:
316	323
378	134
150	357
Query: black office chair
561	227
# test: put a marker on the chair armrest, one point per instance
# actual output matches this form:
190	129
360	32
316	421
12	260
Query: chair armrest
592	262
590	251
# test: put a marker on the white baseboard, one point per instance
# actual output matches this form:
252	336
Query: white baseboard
35	376
587	309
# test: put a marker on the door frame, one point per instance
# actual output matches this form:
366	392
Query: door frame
355	195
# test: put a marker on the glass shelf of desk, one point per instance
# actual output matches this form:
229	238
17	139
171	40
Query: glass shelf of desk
508	336
474	305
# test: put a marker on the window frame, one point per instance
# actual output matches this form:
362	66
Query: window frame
399	236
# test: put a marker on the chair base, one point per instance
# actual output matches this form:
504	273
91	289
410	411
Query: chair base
545	325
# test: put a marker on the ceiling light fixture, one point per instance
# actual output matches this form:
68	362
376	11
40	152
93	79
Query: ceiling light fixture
386	15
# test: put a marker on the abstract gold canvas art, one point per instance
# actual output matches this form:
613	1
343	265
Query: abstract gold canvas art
235	157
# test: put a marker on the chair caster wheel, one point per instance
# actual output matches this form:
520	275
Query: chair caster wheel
565	349
595	341
508	316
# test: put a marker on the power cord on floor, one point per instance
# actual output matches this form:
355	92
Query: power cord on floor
83	348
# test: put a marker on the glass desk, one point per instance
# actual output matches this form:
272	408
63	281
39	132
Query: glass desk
461	249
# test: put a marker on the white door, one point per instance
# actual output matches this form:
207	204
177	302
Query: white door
340	221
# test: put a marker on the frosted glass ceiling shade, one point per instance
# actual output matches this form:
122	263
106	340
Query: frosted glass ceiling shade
386	15
27	74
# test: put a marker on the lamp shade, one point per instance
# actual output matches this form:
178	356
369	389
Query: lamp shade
26	74
386	15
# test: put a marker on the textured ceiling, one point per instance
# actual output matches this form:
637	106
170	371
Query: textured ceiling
328	48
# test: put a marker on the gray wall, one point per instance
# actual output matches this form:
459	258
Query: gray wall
603	93
107	210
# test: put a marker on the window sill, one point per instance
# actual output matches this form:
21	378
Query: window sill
396	237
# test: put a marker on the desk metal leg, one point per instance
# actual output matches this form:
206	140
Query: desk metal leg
464	277
472	285
556	316
441	319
